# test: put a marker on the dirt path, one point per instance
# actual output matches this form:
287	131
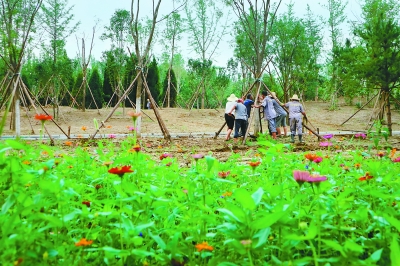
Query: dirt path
201	121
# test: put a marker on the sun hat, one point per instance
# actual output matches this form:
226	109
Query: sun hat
295	97
232	98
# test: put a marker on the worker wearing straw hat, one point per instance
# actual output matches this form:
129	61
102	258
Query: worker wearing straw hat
296	111
230	118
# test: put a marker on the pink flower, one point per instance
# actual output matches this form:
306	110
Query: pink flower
112	136
397	160
131	129
317	160
197	156
301	176
325	144
328	136
360	135
317	179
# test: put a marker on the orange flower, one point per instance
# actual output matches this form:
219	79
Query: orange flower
18	261
43	117
120	170
393	152
204	246
108	126
311	156
68	143
108	163
136	148
254	164
134	115
357	165
83	242
227	194
26	162
83	128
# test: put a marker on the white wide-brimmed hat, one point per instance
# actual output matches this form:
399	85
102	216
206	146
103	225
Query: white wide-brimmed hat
232	98
295	97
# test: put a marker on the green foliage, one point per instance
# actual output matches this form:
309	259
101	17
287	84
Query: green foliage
162	213
152	80
173	90
95	99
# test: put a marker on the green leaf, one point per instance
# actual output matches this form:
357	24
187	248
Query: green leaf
257	196
335	246
8	204
393	221
267	221
159	241
229	213
137	240
350	245
376	256
115	251
142	253
395	252
244	198
16	145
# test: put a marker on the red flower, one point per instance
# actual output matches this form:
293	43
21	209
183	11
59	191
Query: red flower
87	203
366	177
98	186
224	174
120	170
254	164
136	148
165	155
83	242
43	117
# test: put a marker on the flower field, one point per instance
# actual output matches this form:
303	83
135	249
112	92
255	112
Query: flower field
112	203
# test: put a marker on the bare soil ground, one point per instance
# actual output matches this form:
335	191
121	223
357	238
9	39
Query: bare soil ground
195	121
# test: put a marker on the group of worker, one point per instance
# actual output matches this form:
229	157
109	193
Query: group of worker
237	114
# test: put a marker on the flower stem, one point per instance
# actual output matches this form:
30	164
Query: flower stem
250	257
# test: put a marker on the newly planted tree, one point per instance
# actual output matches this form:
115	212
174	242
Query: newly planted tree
56	20
204	25
254	26
18	19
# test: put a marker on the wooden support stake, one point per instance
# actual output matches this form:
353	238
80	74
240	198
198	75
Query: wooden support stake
164	129
116	106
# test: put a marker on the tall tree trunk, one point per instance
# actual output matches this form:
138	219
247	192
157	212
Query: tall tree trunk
138	102
388	114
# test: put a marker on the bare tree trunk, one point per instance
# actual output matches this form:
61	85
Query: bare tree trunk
389	114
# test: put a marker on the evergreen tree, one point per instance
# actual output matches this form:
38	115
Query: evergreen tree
152	80
129	76
77	89
107	87
96	88
173	93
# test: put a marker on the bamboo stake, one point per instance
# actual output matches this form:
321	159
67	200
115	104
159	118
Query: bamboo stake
359	109
155	109
116	106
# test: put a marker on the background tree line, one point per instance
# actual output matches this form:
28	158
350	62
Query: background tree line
292	49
